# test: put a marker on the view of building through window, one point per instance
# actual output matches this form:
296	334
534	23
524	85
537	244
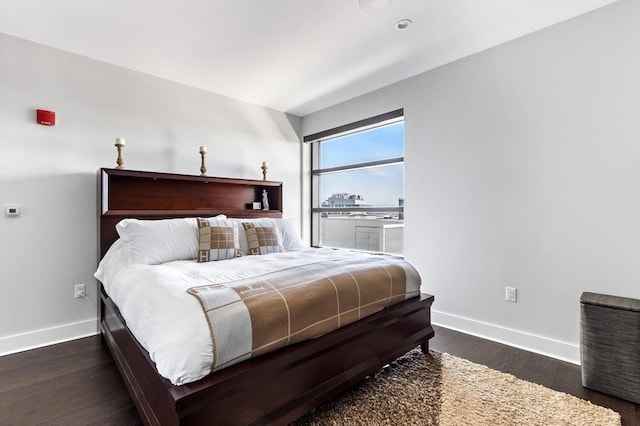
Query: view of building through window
358	189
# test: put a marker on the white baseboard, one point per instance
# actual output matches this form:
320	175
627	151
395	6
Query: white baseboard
564	351
47	336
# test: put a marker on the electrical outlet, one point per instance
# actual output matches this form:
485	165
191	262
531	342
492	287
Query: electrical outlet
80	291
511	294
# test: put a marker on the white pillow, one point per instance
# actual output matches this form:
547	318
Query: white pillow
290	234
158	241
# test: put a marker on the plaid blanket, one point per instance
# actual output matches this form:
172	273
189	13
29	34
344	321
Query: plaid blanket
253	316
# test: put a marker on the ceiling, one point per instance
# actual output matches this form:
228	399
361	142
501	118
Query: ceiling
296	56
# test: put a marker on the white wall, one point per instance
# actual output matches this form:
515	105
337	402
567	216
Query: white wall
51	171
522	168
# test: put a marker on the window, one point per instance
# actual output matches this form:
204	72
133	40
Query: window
358	185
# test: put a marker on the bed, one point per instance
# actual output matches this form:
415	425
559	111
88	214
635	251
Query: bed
273	388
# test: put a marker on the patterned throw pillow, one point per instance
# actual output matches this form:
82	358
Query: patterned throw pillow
217	239
262	239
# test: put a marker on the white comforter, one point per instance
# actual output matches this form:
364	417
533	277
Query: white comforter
169	322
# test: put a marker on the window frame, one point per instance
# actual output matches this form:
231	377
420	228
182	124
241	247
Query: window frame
316	140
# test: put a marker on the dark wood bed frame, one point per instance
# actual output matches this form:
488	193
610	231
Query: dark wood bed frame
276	388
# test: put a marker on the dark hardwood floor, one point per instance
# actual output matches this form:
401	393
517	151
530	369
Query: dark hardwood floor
77	383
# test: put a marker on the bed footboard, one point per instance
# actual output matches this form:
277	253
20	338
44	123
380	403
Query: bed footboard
275	388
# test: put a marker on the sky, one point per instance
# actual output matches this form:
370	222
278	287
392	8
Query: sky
379	186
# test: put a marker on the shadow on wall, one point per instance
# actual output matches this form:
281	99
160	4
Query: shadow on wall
47	250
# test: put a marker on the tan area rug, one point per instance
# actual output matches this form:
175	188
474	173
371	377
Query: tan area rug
440	389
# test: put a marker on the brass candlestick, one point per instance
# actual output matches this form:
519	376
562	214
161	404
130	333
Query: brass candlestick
203	168
120	146
264	170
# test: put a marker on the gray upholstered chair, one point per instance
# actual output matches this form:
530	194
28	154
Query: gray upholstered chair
610	345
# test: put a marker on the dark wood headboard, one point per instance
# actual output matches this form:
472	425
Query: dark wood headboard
150	195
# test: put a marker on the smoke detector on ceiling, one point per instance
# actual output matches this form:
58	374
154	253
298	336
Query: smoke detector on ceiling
403	24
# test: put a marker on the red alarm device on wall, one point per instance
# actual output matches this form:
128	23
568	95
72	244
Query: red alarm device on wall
46	118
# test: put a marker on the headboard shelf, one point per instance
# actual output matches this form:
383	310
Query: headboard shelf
151	195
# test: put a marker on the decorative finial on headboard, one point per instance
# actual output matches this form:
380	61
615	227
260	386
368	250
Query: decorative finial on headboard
203	168
264	170
120	146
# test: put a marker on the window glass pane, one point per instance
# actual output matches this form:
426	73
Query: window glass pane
360	207
380	186
370	145
362	233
